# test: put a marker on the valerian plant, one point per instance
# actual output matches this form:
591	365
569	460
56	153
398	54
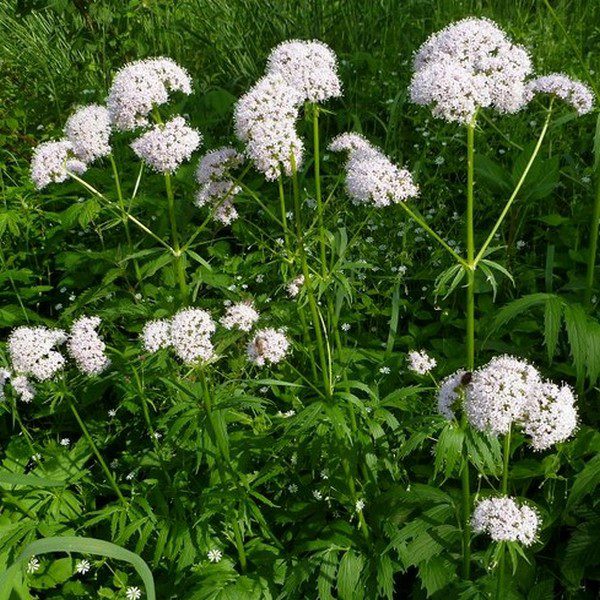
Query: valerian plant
256	444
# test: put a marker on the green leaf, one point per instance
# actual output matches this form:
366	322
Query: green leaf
348	576
585	482
448	450
436	574
552	324
29	480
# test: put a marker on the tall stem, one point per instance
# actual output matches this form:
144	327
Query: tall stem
95	450
501	583
177	255
125	219
308	283
315	111
593	249
222	457
283	210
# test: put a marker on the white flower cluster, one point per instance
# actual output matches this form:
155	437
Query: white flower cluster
370	175
265	119
268	346
188	333
467	65
51	162
569	90
294	286
88	130
140	86
508	392
420	362
505	521
86	346
308	66
450	394
216	185
33	354
165	146
240	316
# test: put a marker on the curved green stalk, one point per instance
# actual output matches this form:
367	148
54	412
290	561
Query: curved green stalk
178	263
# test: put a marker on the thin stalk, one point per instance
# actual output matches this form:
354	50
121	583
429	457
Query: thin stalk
283	211
415	217
308	283
95	450
315	110
593	249
100	195
223	456
261	204
501	583
177	254
125	211
517	189
470	346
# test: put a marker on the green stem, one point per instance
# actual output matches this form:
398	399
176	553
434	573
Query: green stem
283	210
501	583
593	249
95	450
308	283
517	189
125	219
177	254
221	458
323	247
413	215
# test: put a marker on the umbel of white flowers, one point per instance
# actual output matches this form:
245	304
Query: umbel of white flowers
265	117
510	392
34	355
138	89
472	64
371	178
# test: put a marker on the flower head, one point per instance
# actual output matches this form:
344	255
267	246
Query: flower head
571	91
240	316
191	331
133	593
156	335
141	85
450	393
265	119
23	388
505	521
82	566
52	161
308	66
86	346
420	362
166	146
88	130
32	352
215	555
294	286
349	142
467	65
550	415
268	346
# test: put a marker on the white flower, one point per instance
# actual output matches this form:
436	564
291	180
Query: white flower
346	327
449	393
23	388
571	91
268	346
317	495
349	142
33	565
470	64
371	177
51	161
86	346
265	119
384	370
166	146
292	488
215	555
308	66
216	165
550	415
420	362
65	441
31	351
191	331
4	377
88	130
360	504
505	521
242	316
82	566
141	85
294	286
156	335
133	593
499	393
